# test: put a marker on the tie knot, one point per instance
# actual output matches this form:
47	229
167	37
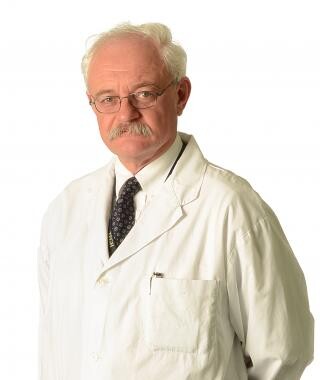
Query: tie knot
130	188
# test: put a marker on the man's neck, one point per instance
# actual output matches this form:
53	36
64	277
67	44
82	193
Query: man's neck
134	166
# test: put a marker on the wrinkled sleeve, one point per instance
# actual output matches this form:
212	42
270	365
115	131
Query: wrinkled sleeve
269	306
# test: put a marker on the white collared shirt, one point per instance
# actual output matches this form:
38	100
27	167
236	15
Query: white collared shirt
150	177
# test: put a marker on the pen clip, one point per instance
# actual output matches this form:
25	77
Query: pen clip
157	275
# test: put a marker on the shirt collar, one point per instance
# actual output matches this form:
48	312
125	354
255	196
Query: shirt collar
152	175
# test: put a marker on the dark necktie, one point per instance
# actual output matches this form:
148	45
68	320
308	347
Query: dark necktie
123	214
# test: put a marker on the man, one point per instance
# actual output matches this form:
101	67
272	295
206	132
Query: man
161	265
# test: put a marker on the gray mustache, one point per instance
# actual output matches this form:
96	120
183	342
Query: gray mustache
134	128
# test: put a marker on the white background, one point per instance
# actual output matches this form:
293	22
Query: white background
254	109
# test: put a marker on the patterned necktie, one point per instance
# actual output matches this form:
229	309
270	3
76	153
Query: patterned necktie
123	214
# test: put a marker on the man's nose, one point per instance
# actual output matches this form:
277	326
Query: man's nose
127	112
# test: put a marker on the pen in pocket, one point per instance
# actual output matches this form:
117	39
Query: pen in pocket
155	274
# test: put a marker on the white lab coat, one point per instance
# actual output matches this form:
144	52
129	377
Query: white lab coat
228	284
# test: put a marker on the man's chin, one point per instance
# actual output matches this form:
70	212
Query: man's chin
130	145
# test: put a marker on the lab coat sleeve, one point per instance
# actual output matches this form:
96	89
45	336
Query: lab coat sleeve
269	304
43	281
49	235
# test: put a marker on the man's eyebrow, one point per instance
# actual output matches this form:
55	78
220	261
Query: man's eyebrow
136	86
104	92
143	84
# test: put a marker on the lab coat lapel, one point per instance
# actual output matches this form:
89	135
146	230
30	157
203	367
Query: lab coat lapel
159	216
165	209
98	213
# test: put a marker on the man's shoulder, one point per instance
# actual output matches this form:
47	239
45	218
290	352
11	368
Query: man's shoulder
80	188
226	180
218	185
233	192
89	180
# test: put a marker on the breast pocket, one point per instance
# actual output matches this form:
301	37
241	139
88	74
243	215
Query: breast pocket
181	314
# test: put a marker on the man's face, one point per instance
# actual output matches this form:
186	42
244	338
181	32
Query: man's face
129	64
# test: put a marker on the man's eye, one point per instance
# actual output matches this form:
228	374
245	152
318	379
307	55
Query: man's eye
144	94
108	100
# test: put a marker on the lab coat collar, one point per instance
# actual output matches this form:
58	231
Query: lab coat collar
189	171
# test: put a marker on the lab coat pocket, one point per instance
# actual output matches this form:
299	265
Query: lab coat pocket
181	314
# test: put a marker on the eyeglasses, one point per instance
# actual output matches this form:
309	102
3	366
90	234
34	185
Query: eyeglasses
139	99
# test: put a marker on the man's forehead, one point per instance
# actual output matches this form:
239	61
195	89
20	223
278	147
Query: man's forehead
126	72
119	70
130	60
124	53
115	80
126	67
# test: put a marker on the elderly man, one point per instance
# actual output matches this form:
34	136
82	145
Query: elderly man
161	265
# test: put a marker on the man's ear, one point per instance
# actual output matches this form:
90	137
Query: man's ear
89	101
88	96
183	92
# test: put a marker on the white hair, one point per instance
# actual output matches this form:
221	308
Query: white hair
173	55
